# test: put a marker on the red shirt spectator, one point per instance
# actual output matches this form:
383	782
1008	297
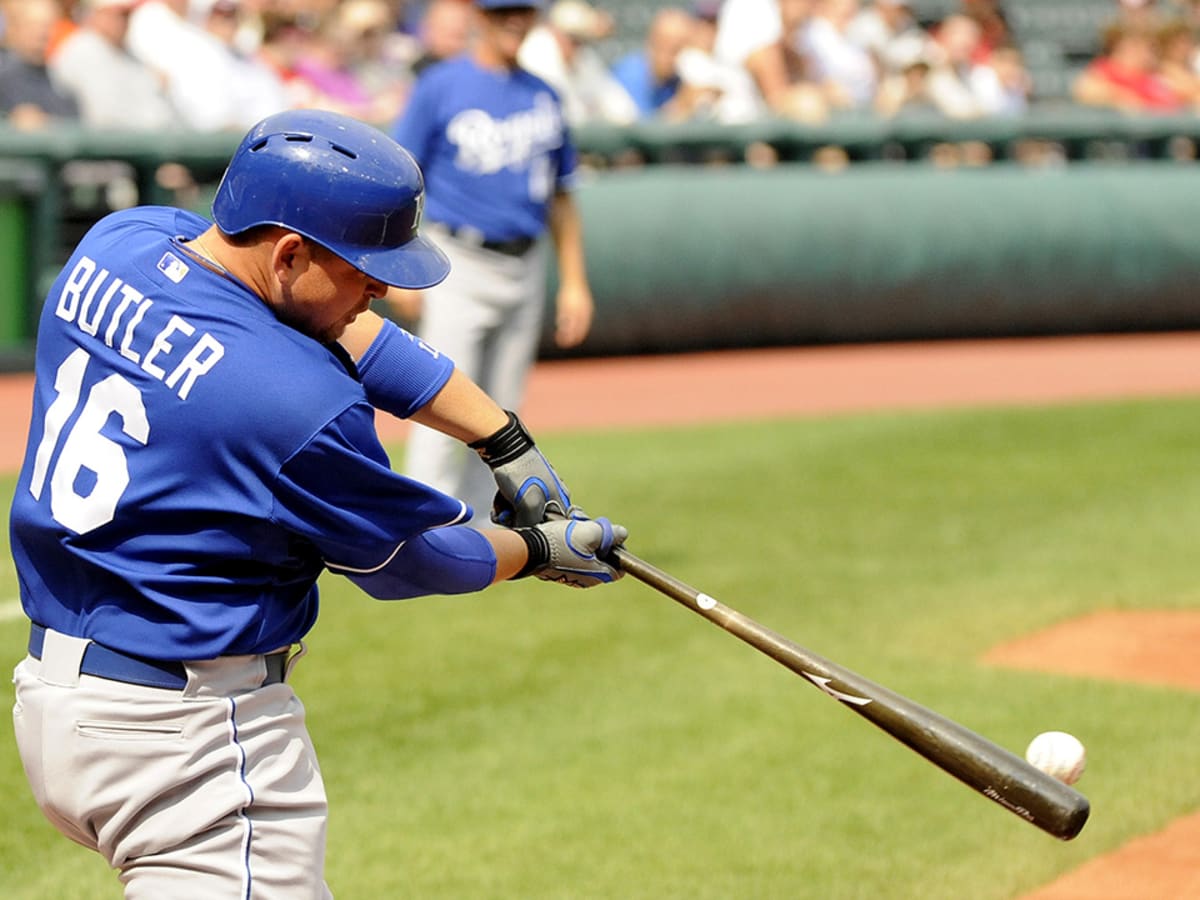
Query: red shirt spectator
1126	77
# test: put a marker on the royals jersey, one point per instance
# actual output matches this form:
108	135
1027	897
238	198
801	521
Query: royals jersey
492	146
193	463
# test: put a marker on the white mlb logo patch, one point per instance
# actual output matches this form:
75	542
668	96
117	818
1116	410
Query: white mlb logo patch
173	267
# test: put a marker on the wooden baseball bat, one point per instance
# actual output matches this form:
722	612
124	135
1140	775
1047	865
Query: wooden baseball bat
985	767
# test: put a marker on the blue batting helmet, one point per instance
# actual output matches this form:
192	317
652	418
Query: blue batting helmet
343	184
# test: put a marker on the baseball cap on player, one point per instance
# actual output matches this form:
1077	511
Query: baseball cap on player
339	182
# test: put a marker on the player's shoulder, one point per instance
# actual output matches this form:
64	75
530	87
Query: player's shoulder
130	234
152	219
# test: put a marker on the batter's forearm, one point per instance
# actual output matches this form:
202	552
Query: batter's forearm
360	333
462	410
511	552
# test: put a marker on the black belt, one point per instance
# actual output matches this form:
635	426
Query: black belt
518	246
104	662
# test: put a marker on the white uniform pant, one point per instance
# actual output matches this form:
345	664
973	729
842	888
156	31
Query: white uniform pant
212	791
487	317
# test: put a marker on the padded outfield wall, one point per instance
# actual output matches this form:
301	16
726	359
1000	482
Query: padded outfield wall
686	258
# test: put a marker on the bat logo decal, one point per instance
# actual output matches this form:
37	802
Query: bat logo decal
823	684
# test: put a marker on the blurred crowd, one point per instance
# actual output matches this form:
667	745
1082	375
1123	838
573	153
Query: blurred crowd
224	64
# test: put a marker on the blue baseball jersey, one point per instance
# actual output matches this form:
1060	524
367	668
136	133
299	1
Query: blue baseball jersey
493	147
194	464
634	74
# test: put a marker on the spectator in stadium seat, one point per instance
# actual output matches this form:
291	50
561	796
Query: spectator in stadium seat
906	91
350	62
1125	76
253	90
1001	84
189	60
952	59
560	50
759	36
116	90
888	31
994	30
650	74
845	70
70	11
1177	60
285	40
327	70
714	90
113	89
29	98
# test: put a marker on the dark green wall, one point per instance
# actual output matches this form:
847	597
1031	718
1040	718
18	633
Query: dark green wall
693	258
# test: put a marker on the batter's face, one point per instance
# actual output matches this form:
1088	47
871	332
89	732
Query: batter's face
317	292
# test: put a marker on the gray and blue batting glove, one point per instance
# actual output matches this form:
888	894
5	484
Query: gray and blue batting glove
572	551
529	491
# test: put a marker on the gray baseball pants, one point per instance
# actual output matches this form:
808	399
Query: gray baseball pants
212	791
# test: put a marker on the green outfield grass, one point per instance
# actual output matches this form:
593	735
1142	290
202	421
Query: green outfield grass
536	742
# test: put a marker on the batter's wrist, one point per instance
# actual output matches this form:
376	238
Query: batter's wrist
538	547
504	445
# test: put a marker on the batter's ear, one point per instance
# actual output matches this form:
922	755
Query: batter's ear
290	257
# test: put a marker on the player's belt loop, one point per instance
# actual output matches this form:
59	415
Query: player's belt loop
277	664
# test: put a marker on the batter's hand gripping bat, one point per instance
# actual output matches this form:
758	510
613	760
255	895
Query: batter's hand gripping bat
980	764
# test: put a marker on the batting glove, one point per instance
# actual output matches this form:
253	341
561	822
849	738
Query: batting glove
572	551
530	491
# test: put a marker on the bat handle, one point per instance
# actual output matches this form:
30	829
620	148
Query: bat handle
667	584
651	575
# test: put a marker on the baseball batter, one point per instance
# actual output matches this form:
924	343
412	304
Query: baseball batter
200	451
499	164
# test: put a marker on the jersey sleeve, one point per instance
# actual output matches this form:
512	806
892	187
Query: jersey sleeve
401	373
568	163
453	560
339	493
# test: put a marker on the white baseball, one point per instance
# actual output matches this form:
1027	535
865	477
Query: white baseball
1058	754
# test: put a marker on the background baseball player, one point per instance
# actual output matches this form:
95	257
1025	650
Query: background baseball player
200	452
499	165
